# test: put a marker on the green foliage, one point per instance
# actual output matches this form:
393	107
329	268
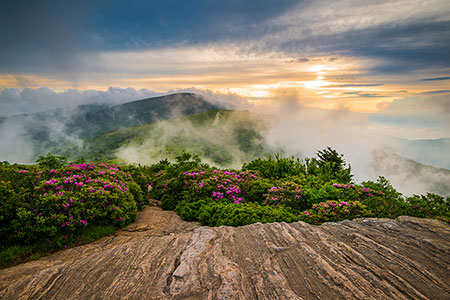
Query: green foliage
333	211
429	205
330	156
387	201
12	253
276	168
212	213
142	176
189	211
38	205
198	184
18	253
324	180
329	166
257	189
288	194
51	161
169	183
9	204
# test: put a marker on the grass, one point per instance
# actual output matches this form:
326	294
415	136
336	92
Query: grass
17	254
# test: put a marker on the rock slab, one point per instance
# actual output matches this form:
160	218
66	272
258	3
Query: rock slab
162	257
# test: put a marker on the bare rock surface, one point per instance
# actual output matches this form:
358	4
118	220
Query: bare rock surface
162	257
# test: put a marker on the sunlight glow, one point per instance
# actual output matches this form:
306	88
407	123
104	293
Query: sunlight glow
316	84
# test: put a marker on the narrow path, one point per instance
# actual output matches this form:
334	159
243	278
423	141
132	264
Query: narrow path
162	257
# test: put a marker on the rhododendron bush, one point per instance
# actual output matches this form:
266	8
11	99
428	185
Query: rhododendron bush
56	204
314	191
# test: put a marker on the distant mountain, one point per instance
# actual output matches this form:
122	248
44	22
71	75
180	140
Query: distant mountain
411	176
222	137
44	132
137	113
433	152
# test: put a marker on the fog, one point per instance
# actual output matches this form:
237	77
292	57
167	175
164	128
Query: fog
286	123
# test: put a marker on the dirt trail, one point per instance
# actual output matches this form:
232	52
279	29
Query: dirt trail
162	257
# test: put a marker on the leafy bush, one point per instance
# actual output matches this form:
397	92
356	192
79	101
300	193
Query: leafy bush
385	201
51	161
189	211
288	193
198	184
429	205
328	166
288	183
277	168
256	189
9	203
168	185
212	213
333	211
64	201
335	161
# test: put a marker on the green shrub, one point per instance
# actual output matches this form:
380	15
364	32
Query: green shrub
328	166
333	165
64	201
189	211
212	213
198	184
429	205
333	211
288	194
257	189
276	168
382	199
10	202
168	185
51	161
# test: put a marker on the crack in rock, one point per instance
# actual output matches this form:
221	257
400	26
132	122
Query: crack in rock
185	278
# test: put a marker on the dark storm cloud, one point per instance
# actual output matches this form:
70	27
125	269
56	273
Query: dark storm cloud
44	36
42	33
41	36
412	45
406	47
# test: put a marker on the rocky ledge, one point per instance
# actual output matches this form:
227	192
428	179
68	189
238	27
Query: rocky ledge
162	257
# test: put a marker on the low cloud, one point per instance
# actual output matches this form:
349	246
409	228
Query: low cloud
14	101
295	128
15	145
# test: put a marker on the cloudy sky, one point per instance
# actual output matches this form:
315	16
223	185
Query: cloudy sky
388	60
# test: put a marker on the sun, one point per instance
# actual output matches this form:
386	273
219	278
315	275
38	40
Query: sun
316	84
